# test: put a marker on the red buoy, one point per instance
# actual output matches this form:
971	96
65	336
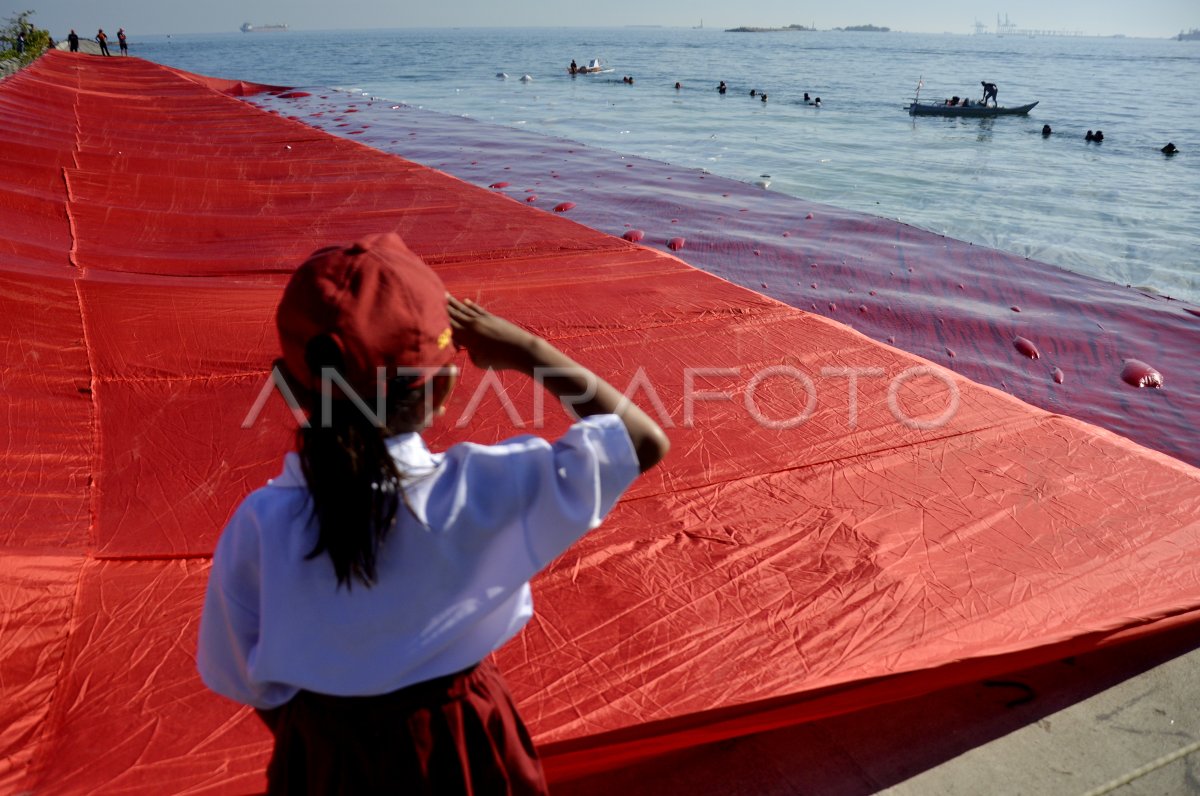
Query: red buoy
1138	374
1026	347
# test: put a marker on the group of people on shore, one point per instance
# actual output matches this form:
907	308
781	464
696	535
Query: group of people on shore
100	38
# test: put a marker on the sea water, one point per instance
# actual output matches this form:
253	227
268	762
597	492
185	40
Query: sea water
1120	210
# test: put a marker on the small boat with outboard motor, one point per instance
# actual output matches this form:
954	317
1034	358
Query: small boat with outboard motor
967	109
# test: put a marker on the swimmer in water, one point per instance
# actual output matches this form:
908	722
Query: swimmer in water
1169	149
721	88
1046	130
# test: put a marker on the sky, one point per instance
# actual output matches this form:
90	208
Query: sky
1152	18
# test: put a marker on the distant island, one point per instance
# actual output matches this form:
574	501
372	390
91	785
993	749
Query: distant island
748	29
745	29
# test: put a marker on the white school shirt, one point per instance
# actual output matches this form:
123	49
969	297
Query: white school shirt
452	581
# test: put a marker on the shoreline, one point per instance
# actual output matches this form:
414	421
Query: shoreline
10	66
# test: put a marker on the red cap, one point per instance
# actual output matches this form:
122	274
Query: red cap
379	303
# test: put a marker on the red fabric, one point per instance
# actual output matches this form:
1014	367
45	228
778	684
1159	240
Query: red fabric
766	574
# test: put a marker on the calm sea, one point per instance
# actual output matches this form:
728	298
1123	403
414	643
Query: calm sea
1119	210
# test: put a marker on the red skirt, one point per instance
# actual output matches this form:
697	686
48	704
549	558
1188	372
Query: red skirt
458	734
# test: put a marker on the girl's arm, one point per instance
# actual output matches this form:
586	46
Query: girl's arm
497	344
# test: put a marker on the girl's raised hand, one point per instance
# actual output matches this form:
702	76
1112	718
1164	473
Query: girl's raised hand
491	341
498	344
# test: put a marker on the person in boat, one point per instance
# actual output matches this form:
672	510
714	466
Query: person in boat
989	93
1046	131
1169	149
953	101
574	67
721	88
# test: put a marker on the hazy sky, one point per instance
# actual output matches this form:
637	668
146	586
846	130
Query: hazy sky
1157	18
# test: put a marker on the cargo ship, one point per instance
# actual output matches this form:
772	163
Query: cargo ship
248	28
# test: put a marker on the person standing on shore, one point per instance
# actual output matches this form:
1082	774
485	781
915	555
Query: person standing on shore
73	40
356	598
123	41
20	42
103	40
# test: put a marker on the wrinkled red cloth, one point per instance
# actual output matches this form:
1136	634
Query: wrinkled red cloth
840	524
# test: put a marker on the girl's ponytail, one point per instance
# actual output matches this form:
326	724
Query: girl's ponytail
354	482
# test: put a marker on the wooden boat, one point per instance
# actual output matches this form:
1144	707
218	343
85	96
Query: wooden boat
942	109
593	68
